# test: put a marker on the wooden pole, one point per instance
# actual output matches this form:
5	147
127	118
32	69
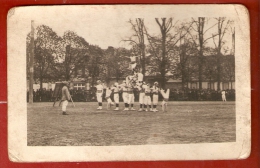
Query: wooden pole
31	63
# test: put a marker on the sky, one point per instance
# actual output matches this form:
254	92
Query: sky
104	25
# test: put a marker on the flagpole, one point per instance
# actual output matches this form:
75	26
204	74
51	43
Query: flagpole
31	63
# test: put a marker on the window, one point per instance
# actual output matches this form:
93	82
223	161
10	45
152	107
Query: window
79	86
193	85
211	85
225	85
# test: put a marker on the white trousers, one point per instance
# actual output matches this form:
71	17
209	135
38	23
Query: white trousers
99	97
109	100
147	100
224	98
64	105
155	99
125	97
131	98
141	98
132	66
116	98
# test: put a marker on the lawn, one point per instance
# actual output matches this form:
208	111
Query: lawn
183	123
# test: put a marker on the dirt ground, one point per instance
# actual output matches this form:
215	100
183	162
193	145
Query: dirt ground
184	122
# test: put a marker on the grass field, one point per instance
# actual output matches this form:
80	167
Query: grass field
185	122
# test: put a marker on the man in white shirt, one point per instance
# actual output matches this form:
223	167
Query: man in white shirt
109	101
147	97
155	91
223	95
131	97
165	96
115	90
99	94
141	88
124	88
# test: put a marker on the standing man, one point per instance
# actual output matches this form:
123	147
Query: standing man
115	90
109	101
99	94
155	91
131	97
165	96
223	95
125	96
147	99
141	88
65	97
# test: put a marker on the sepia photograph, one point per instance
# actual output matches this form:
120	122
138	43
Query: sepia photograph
128	82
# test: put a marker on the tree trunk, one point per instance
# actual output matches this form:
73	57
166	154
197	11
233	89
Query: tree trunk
218	71
163	64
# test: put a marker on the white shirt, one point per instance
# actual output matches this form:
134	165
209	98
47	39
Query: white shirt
108	92
99	88
116	89
140	76
132	58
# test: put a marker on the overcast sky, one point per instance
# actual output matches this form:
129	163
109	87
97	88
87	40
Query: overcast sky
104	25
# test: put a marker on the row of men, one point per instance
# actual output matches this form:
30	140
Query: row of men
127	89
128	96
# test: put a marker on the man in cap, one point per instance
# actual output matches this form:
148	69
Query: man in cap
99	94
65	97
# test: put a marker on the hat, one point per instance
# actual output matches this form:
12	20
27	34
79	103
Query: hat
156	83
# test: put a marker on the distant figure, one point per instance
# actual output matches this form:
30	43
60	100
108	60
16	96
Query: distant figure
65	97
223	95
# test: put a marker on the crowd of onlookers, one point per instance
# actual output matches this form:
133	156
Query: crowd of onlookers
175	95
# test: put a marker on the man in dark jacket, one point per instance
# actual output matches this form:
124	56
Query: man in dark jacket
65	97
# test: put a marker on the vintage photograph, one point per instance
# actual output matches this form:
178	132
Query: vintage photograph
124	76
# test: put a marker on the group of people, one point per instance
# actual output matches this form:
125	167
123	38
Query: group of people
148	95
127	87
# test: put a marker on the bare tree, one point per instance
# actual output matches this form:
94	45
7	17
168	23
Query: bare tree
138	40
222	25
163	48
200	40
